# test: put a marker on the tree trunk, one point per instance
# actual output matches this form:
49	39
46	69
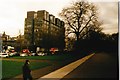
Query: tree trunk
77	36
77	41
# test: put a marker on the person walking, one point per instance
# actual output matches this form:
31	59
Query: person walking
26	71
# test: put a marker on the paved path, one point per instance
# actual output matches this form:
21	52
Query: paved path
102	66
98	67
60	73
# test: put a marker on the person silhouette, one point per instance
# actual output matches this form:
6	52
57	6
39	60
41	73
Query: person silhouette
26	71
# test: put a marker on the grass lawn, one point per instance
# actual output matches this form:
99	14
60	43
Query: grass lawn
13	68
48	57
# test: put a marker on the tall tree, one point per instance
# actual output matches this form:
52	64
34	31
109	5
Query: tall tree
80	18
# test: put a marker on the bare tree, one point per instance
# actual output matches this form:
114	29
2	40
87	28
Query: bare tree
80	18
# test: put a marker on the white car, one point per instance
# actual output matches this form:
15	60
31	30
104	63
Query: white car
41	54
4	55
33	54
13	53
23	54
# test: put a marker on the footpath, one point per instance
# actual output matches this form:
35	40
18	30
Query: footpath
60	73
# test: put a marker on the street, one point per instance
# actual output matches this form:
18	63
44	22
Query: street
100	66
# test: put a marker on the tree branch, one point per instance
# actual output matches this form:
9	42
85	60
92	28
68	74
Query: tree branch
71	26
84	35
86	24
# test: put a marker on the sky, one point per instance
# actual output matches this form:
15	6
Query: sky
14	12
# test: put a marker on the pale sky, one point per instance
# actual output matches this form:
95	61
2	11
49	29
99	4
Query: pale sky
14	12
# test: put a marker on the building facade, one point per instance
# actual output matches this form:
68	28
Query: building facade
7	40
44	30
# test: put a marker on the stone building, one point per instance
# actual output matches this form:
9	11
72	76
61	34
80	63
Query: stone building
44	30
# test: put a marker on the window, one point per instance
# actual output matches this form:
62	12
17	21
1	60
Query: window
28	26
35	15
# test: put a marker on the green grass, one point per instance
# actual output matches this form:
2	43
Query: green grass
48	57
14	68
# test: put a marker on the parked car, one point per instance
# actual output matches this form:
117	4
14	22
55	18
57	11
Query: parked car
25	52
12	52
41	53
54	50
33	54
4	54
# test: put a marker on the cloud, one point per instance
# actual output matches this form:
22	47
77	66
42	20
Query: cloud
13	13
108	13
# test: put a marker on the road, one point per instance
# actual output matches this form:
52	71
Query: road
100	66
